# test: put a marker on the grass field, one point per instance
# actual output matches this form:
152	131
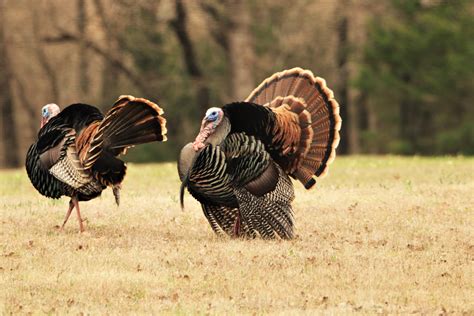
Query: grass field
378	235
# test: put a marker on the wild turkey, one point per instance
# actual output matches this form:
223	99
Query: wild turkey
77	148
239	163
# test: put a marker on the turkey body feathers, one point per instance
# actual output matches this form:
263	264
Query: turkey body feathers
224	177
270	215
73	118
246	158
43	181
221	218
262	123
252	119
75	154
288	126
208	179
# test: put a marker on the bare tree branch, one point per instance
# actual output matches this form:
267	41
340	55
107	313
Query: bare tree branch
110	75
241	50
221	25
43	59
65	36
179	25
28	106
83	59
103	18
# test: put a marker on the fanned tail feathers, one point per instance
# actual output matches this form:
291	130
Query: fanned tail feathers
313	103
131	121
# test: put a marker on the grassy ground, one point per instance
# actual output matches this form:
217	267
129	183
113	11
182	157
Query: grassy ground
379	234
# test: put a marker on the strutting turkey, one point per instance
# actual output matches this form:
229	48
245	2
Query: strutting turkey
239	165
77	148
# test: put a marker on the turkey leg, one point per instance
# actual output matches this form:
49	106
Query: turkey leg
69	211
78	211
237	226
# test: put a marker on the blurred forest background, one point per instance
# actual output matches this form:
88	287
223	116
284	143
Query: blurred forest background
403	71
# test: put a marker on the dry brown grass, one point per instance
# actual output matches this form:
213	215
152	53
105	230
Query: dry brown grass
380	234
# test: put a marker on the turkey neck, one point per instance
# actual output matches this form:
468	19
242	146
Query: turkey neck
220	133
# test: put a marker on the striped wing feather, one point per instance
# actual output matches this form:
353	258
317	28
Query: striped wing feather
208	180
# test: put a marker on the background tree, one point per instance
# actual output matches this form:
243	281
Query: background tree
417	73
401	70
8	127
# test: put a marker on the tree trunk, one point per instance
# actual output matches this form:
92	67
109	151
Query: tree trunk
83	58
368	122
407	122
343	73
111	74
31	110
353	120
43	58
241	54
179	25
118	64
372	125
8	127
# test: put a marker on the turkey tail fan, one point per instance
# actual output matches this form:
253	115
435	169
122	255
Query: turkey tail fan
130	121
313	102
